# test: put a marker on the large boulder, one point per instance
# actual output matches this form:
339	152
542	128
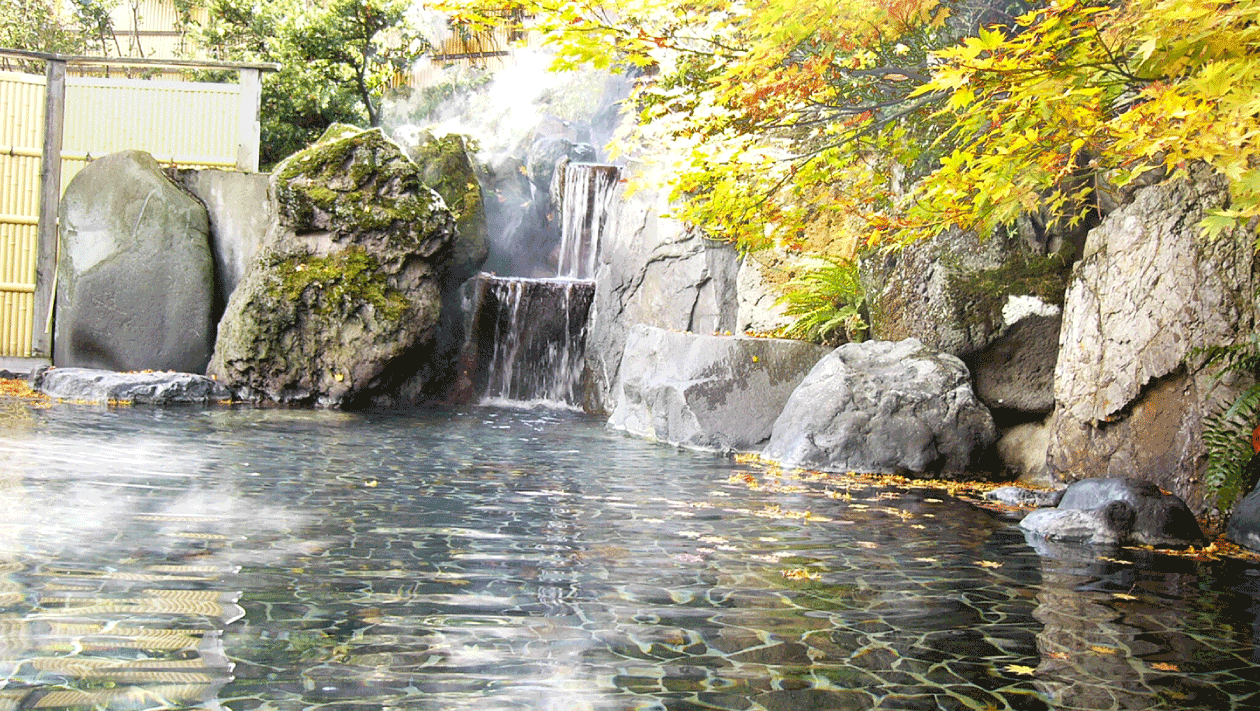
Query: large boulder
707	392
1148	292
1112	511
653	270
883	406
343	303
135	277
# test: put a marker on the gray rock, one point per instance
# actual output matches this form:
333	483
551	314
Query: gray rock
1149	291
343	303
105	387
707	392
1016	372
135	277
883	406
1244	521
1115	510
914	293
654	271
239	212
1019	496
1105	526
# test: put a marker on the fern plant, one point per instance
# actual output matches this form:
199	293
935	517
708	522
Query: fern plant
1227	432
827	302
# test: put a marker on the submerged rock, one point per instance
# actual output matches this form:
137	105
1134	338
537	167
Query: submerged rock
135	276
1115	511
105	387
344	301
707	392
883	406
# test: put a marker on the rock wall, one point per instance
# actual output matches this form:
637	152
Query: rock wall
1148	291
653	271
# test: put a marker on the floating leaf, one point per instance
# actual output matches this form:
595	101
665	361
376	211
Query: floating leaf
1165	666
1099	649
1020	669
988	564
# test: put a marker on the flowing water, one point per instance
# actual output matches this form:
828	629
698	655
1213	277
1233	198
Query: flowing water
519	559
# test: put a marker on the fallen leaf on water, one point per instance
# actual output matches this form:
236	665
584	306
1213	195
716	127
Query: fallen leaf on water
988	564
1124	596
926	560
919	526
1098	648
1058	655
1165	666
1020	669
800	574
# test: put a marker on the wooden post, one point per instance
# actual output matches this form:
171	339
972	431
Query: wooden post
49	201
248	131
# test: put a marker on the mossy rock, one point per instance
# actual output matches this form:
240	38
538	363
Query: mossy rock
356	181
347	296
446	166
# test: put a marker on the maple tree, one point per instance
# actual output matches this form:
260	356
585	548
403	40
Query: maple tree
916	115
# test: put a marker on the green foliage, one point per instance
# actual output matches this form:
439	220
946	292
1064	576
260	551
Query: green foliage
1227	432
827	302
33	25
337	61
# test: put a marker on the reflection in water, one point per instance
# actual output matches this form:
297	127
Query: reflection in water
493	559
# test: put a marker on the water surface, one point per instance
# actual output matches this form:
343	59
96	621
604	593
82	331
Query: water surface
514	559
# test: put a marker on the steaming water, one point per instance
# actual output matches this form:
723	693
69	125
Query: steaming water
538	339
587	204
500	559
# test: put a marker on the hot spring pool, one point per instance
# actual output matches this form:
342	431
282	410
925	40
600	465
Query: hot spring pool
515	559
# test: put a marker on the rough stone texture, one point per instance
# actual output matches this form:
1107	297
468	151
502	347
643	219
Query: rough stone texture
707	392
911	293
653	271
135	284
1022	449
1148	291
446	167
1016	372
1115	510
758	311
107	387
239	212
342	305
883	406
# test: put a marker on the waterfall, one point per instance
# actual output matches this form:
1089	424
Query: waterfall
532	339
527	337
588	193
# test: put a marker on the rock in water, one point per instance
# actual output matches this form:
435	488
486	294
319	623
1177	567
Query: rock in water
135	284
707	392
345	298
1115	511
882	406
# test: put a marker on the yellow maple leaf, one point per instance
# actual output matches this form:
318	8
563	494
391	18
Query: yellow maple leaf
1019	669
1165	666
1099	649
988	564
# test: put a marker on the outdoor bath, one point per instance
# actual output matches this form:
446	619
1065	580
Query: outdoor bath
484	558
